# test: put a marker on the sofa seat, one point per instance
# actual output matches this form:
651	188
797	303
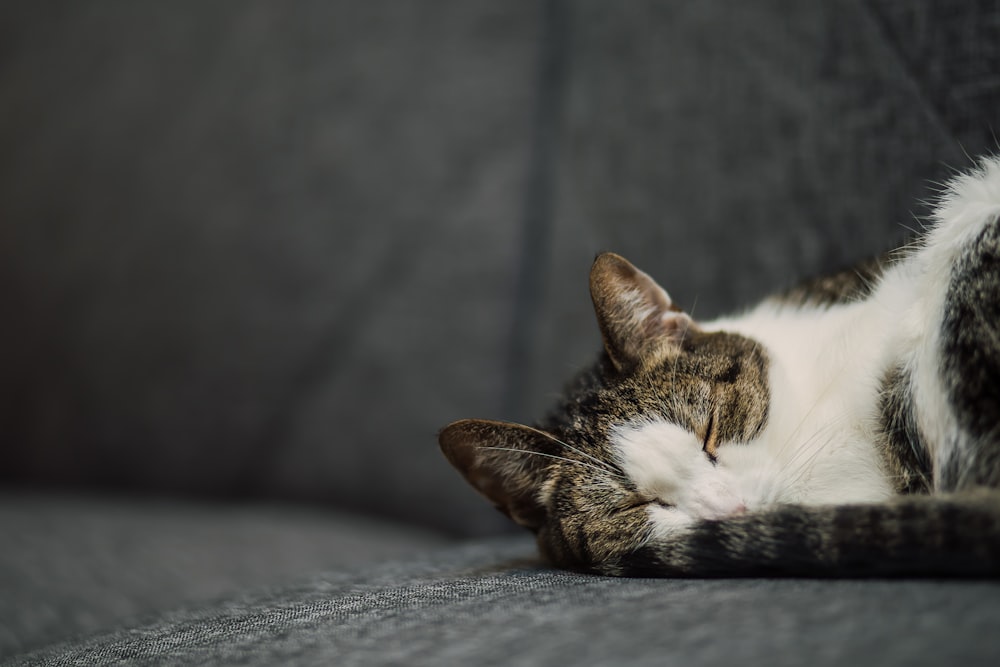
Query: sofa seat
71	565
319	598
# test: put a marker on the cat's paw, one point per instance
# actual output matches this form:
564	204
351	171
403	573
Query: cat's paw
667	464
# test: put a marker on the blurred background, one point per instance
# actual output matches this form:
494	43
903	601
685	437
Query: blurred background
265	250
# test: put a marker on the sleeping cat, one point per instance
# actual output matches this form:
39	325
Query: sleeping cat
848	427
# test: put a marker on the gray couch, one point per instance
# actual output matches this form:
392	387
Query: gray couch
253	255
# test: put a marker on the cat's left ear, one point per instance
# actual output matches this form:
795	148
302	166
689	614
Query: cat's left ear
505	462
636	315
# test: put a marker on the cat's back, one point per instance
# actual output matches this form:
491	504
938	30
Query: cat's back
899	355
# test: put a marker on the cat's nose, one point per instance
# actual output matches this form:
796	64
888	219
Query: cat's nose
724	509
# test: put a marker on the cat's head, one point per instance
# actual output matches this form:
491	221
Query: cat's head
636	446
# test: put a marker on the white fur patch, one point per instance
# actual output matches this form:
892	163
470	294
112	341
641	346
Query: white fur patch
826	371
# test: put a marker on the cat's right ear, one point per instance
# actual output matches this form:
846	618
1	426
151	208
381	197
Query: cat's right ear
505	462
635	314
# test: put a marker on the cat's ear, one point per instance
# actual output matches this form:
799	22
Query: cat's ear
635	314
504	461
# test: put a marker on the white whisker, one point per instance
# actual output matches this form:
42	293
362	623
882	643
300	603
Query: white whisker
558	458
596	460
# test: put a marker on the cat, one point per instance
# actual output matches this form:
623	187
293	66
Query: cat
847	427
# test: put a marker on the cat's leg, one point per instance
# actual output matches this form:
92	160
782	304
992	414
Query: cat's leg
957	367
970	364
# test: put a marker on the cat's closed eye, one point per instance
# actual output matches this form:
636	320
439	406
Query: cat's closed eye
710	437
641	500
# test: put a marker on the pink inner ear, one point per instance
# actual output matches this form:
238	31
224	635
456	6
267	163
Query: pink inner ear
499	459
673	324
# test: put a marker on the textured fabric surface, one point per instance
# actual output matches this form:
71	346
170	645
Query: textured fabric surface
487	603
72	565
275	243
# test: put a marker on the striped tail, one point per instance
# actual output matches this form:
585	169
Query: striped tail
950	535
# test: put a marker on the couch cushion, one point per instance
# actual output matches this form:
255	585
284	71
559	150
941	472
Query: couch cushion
490	603
71	564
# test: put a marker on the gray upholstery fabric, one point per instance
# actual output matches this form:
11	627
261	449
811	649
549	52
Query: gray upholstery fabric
72	565
274	243
486	603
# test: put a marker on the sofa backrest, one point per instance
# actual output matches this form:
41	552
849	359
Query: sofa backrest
254	249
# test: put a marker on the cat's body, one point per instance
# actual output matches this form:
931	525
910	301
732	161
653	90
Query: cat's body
850	426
